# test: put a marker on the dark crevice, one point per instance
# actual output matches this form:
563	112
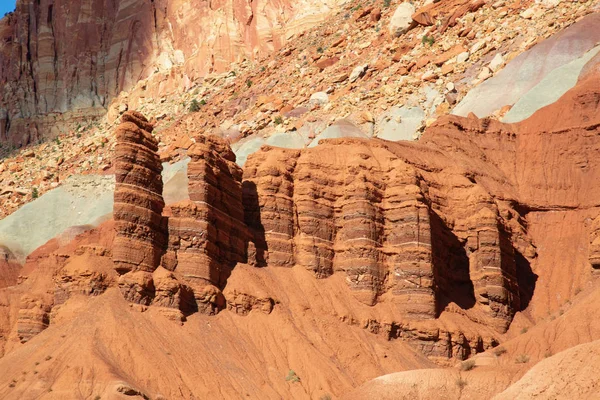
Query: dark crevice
526	280
450	267
252	218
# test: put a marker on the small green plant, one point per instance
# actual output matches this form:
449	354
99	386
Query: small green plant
292	377
194	106
387	3
467	365
249	83
202	102
263	69
430	40
524	330
278	120
522	359
57	140
499	351
34	193
320	50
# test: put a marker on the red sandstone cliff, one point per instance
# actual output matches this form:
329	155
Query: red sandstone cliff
61	56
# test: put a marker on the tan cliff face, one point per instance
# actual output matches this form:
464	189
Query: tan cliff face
60	56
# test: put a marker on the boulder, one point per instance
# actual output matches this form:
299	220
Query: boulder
319	98
401	20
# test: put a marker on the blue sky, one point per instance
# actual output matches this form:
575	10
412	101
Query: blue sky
6	6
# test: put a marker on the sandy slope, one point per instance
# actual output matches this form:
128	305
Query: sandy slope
103	343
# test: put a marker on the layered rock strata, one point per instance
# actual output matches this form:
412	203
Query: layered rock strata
61	56
33	317
358	207
180	260
9	268
141	236
207	234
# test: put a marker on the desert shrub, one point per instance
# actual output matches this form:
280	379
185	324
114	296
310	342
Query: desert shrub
387	3
278	120
499	351
292	377
524	330
34	193
249	83
430	40
522	359
467	365
194	106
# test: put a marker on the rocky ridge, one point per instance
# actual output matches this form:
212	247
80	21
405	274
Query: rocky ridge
74	58
235	108
479	234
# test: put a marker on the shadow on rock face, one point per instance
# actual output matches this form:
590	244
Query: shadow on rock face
252	217
526	280
451	267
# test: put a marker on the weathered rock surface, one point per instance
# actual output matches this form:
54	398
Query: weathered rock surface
207	234
373	215
141	236
401	21
33	317
63	56
9	268
530	68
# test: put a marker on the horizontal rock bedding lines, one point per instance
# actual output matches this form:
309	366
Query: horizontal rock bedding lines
364	212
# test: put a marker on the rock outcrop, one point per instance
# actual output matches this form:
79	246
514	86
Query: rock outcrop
180	260
9	268
65	56
141	236
33	317
207	234
361	208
